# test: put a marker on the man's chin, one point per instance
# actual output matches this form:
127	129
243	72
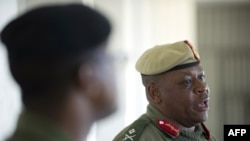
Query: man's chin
106	113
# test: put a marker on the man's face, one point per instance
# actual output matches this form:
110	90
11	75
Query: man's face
105	89
184	95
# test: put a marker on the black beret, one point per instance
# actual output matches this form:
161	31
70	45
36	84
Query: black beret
55	30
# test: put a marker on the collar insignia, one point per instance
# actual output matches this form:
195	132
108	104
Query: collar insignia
169	127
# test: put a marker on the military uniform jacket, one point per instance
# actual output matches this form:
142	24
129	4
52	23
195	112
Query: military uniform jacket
34	127
154	126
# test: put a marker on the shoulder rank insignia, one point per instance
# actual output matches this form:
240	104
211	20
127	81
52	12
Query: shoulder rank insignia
169	127
130	136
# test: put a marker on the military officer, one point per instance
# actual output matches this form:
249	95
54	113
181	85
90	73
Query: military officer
177	93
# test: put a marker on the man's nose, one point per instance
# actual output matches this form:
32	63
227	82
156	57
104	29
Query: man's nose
201	88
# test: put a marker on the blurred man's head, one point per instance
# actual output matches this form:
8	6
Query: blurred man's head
58	50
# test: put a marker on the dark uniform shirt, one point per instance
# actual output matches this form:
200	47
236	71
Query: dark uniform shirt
33	127
154	126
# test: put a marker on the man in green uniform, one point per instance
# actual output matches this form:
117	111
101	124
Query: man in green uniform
58	56
177	94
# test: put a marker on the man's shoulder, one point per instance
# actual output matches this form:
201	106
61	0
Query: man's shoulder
134	130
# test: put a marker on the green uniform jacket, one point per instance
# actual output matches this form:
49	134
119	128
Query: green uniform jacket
154	126
33	127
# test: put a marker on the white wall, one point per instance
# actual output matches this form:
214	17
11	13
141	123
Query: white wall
10	104
137	25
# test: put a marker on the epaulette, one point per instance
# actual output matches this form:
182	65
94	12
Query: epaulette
135	130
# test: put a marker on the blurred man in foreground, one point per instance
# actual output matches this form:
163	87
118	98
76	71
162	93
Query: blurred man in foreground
58	56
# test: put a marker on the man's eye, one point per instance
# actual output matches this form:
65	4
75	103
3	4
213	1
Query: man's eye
187	82
202	77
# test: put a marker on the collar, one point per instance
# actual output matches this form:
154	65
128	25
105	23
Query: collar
166	125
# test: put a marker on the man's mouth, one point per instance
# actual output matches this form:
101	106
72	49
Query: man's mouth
202	105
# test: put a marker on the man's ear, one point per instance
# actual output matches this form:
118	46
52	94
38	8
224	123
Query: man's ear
153	93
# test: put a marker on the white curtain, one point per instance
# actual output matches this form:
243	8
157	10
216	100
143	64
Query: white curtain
137	25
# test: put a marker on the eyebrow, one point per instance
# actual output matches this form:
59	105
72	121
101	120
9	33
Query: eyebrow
187	73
